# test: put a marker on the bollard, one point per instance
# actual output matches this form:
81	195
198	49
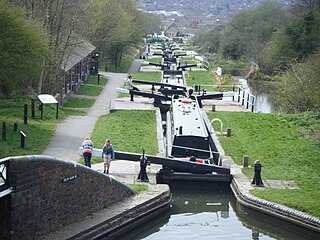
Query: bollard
245	160
257	181
15	127
33	112
228	132
99	78
142	177
213	108
196	87
25	114
4	131
23	139
204	91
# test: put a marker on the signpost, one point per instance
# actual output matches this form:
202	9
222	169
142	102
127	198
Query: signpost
47	99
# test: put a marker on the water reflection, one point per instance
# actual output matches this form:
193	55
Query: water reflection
262	90
203	216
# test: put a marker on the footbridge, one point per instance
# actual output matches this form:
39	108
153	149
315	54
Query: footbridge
40	194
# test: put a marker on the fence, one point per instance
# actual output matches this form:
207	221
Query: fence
245	98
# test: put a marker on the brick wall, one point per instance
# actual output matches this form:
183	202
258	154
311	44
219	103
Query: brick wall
50	193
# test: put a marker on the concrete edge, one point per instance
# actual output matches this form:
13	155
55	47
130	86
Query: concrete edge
275	210
140	209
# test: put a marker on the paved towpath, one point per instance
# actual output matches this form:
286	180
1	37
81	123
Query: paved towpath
70	133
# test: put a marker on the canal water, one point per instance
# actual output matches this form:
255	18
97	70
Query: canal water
204	215
262	90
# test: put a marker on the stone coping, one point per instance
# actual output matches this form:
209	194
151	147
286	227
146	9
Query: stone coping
117	215
241	187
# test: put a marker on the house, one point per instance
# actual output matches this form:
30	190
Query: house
172	30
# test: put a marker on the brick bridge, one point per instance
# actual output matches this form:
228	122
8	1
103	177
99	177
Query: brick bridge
40	194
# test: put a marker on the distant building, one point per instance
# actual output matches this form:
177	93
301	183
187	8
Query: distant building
172	30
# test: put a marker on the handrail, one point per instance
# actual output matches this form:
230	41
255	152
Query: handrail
246	99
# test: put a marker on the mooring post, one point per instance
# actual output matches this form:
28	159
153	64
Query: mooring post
23	139
245	160
257	181
15	127
152	88
142	177
4	131
25	113
33	111
228	132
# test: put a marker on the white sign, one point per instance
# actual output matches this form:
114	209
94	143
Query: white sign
46	98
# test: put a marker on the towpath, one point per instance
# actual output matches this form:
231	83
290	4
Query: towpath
71	132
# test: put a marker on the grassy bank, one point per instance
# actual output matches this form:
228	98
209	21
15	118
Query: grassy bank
147	76
127	132
204	78
285	150
39	131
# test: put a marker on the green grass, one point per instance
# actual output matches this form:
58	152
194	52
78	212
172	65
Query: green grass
75	102
285	154
138	188
126	130
90	90
124	66
157	60
204	78
235	68
94	80
39	131
147	76
187	60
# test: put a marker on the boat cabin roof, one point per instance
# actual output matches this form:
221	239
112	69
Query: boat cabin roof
187	117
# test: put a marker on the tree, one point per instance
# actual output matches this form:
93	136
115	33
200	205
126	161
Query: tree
23	46
299	87
299	39
119	27
250	30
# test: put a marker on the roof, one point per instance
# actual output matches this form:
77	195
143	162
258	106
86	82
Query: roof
187	115
76	53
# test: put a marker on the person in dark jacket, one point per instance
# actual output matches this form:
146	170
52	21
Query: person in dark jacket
107	154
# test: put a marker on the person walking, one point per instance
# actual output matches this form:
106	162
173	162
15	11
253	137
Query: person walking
107	154
87	146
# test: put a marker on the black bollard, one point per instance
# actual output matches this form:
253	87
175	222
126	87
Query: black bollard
204	91
25	114
228	132
23	139
99	78
257	181
33	109
143	177
4	131
15	127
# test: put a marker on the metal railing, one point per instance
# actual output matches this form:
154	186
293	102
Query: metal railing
5	188
245	98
